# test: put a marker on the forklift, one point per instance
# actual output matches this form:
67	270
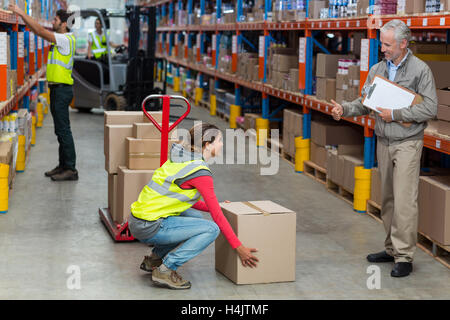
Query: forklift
122	80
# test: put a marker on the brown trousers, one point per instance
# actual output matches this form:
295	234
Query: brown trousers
399	167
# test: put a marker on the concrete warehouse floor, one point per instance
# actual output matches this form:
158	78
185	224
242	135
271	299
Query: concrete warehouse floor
52	226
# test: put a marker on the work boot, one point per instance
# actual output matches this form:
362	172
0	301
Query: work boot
57	170
150	263
66	175
170	279
401	269
379	257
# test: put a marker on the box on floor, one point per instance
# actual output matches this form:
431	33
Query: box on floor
252	221
434	208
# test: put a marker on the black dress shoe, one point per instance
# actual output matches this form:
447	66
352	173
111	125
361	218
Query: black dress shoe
66	175
380	257
401	269
54	171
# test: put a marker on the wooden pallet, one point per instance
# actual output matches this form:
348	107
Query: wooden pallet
222	116
315	171
204	104
340	192
433	248
374	210
288	157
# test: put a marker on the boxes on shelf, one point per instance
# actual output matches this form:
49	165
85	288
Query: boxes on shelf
293	80
443	112
315	7
327	64
332	133
434	208
443	96
362	8
444	127
292	128
326	89
385	7
129	185
252	221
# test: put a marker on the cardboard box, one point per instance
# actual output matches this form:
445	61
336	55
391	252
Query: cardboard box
351	94
375	186
327	64
444	127
350	163
434	208
332	133
340	96
443	96
319	155
443	112
321	88
130	117
149	131
250	120
350	150
252	222
354	72
362	6
330	90
335	167
6	152
315	7
414	6
129	185
342	81
440	70
115	143
283	63
144	154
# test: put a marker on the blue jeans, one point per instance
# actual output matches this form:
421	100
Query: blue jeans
190	229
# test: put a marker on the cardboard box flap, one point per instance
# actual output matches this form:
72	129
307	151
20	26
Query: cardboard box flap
254	207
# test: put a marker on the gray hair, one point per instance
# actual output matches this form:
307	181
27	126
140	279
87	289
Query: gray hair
401	30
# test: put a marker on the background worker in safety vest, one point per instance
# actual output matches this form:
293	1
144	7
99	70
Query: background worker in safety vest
60	81
97	47
167	214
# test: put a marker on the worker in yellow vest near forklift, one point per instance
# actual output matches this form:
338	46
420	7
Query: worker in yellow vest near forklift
60	81
97	47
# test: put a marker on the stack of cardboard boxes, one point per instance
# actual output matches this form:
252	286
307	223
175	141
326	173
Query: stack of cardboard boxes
337	148
132	153
326	71
248	66
281	61
292	128
315	7
421	6
347	83
225	60
443	114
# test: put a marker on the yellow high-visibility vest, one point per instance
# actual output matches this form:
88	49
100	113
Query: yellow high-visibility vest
59	66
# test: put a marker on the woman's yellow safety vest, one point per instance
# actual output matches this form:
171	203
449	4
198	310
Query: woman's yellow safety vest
98	44
59	66
163	197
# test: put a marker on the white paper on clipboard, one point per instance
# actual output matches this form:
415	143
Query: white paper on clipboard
384	94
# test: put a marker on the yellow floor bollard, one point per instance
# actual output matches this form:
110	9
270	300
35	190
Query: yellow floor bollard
33	130
235	111
4	187
362	189
213	105
40	114
198	95
302	153
176	84
262	131
20	161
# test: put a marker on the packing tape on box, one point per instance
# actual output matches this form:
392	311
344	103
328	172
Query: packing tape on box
149	155
264	212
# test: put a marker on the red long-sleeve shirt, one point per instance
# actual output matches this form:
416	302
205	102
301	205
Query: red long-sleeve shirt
205	186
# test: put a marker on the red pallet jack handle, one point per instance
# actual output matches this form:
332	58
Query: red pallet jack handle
165	128
120	232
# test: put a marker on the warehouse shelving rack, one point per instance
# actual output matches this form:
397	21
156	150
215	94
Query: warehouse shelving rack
371	24
36	50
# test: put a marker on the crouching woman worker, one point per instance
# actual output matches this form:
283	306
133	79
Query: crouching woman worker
166	212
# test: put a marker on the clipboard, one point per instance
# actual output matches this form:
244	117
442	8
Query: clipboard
381	93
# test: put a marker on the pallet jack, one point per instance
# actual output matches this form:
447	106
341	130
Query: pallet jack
120	232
